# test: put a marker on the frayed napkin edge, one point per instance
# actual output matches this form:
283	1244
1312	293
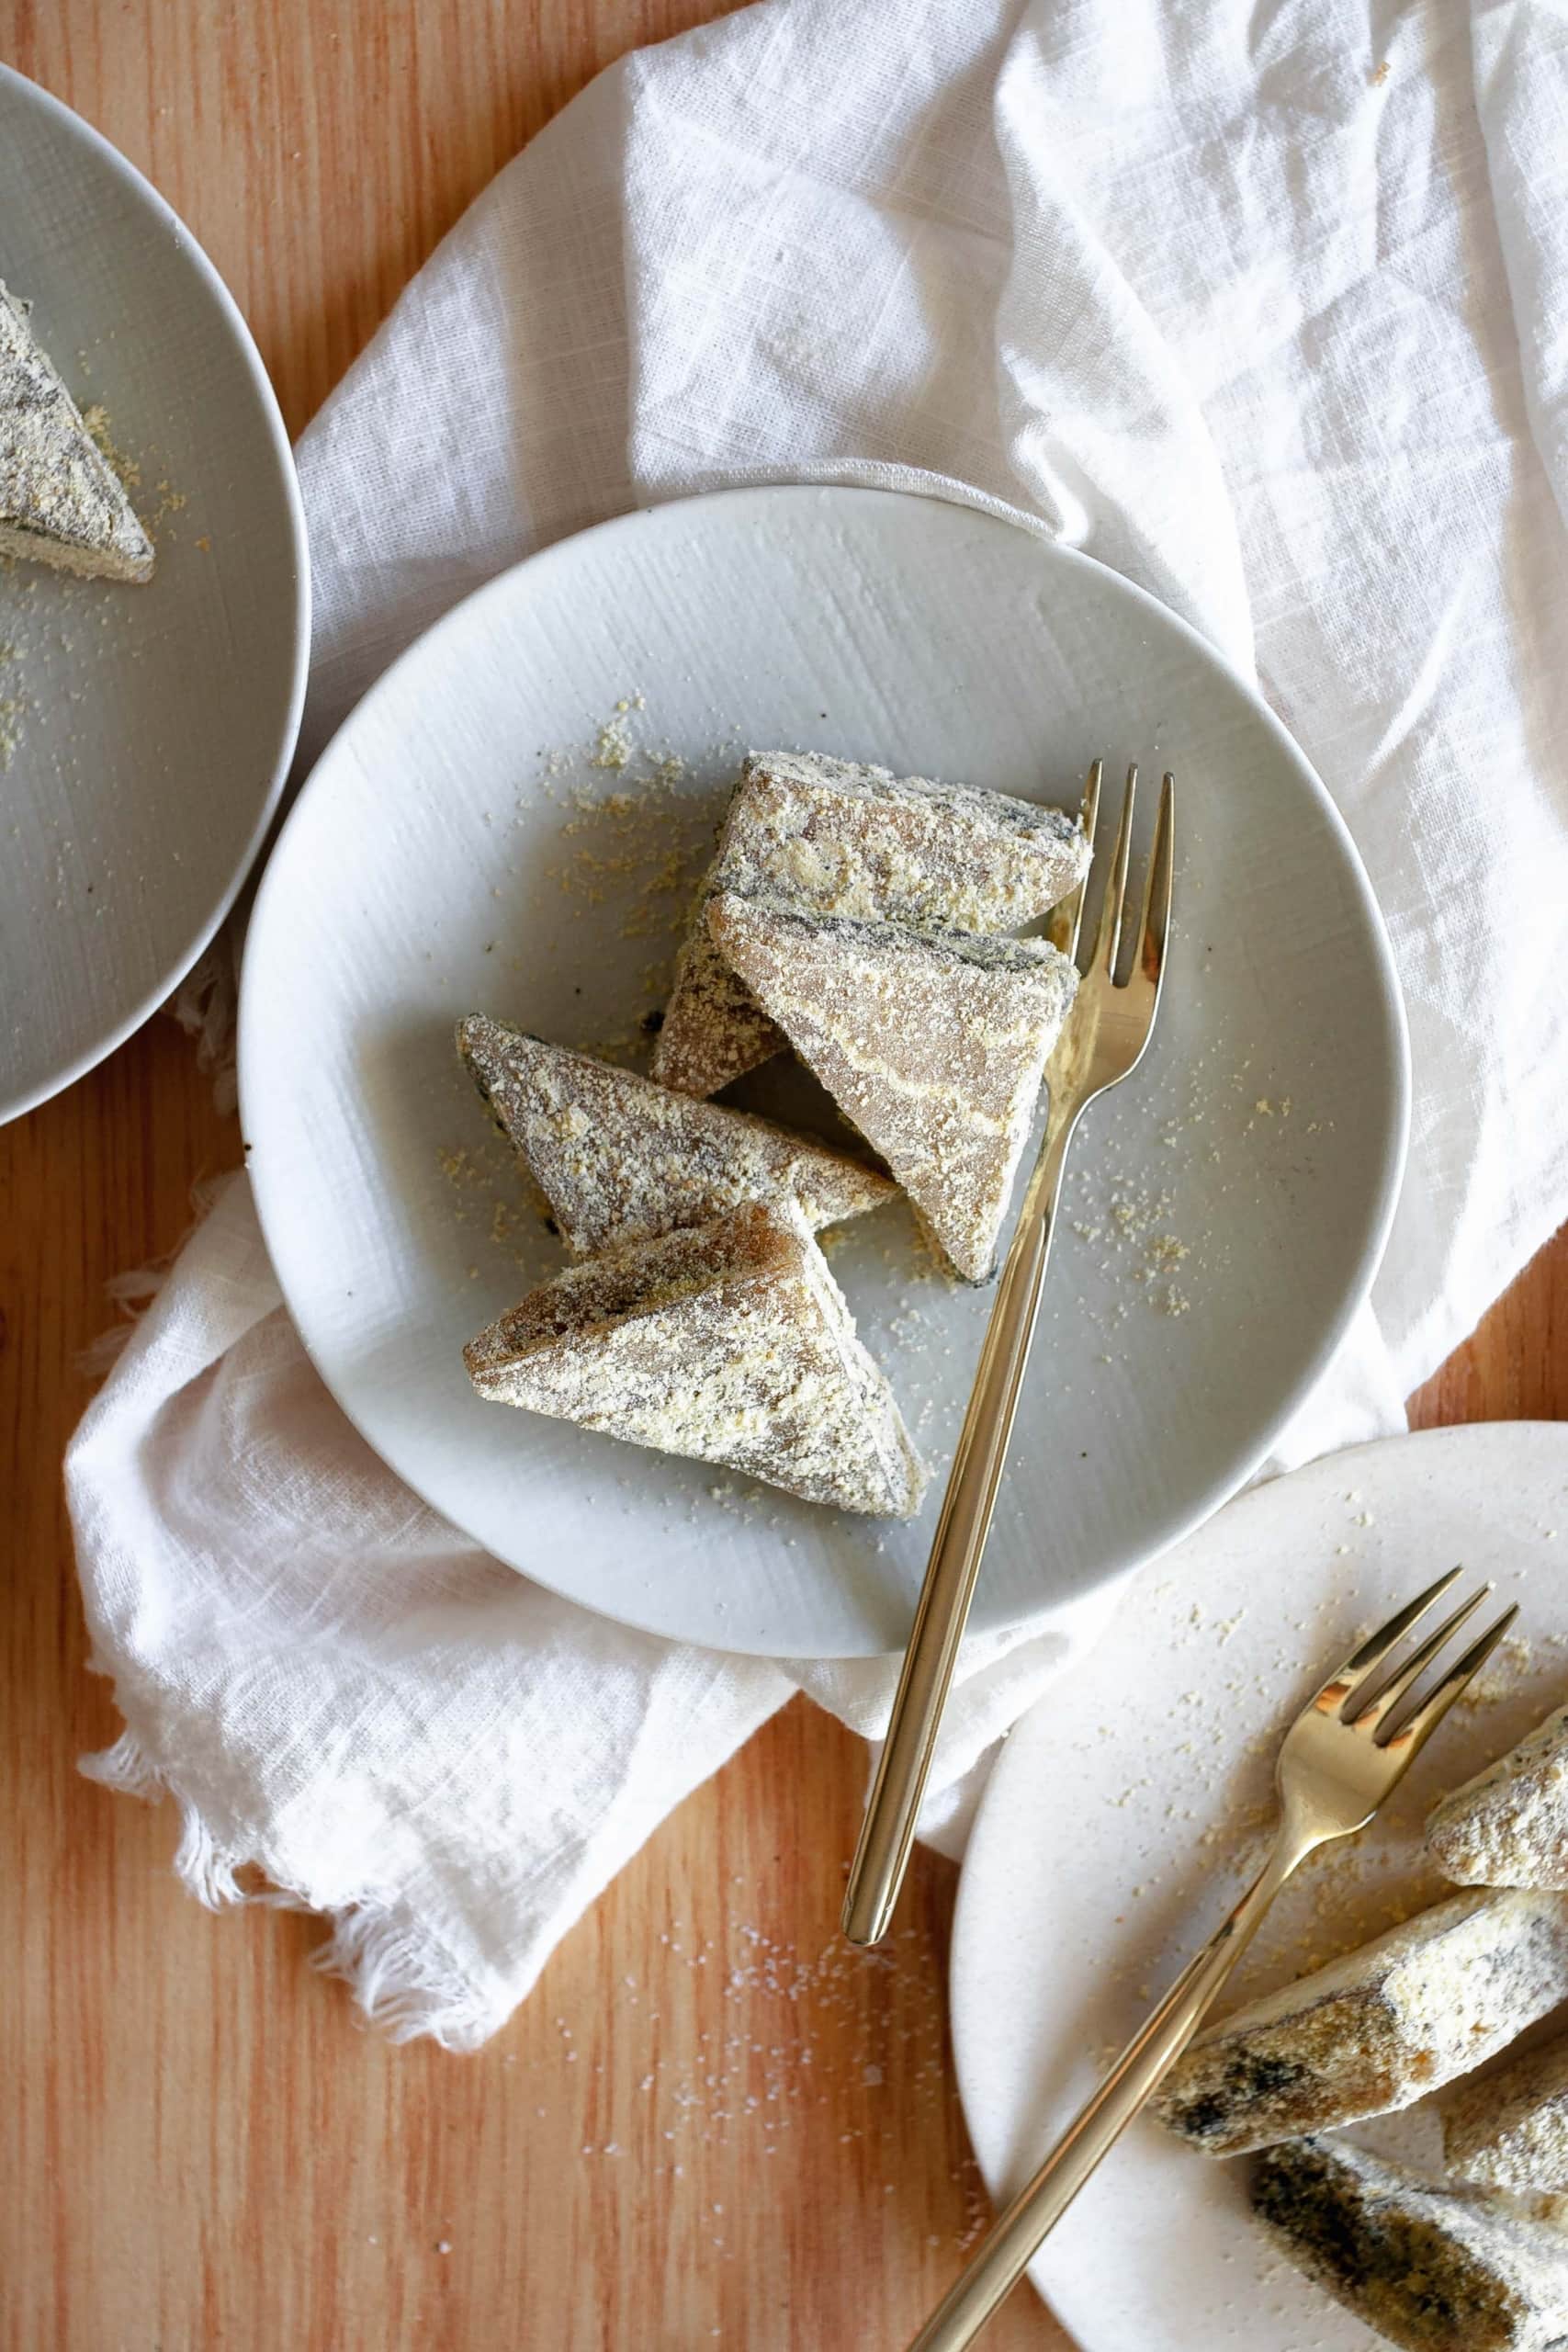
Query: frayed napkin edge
401	1979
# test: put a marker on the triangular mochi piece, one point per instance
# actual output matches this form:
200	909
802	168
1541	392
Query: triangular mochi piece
845	839
729	1342
1508	1826
934	1045
1510	2128
714	1028
621	1159
1375	2030
60	501
1436	2269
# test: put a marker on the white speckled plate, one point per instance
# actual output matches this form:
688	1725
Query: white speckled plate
457	849
1130	1807
144	732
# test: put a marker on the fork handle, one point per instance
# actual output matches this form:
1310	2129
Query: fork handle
887	1832
1010	2247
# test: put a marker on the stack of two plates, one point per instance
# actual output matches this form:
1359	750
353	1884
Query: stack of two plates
502	826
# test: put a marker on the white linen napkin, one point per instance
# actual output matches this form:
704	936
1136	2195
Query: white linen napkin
1270	313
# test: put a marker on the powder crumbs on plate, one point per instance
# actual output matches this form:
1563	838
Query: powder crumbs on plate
642	845
1132	1228
14	708
486	1183
169	500
96	420
613	745
458	1168
1508	1661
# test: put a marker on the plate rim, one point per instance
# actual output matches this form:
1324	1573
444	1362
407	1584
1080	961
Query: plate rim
1341	1461
70	124
1390	1004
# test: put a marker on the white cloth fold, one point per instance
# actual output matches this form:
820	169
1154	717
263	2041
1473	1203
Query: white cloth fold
1254	306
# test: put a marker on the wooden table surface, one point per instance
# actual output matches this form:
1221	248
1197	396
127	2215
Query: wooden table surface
711	2122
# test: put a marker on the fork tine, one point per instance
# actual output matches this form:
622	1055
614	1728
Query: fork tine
1351	1677
1157	890
1066	920
1107	937
1383	1702
1412	1736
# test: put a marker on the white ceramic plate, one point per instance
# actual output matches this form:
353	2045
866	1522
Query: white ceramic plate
148	729
457	849
1130	1807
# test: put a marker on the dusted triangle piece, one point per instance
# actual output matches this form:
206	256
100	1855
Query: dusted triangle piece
1430	2269
729	1342
933	1043
621	1159
1374	2030
844	838
1509	1826
713	1030
1510	2129
60	501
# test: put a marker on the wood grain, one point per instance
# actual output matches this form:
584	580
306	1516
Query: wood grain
711	2123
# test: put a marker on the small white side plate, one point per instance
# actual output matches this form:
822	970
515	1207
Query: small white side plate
1131	1805
147	730
457	849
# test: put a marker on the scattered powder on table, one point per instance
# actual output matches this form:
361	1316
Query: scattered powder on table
884	2016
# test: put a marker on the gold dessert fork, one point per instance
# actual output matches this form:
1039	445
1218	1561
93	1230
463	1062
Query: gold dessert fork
1107	1029
1340	1758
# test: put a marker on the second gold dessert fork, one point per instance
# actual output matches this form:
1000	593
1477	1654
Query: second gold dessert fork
1344	1754
1108	1028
